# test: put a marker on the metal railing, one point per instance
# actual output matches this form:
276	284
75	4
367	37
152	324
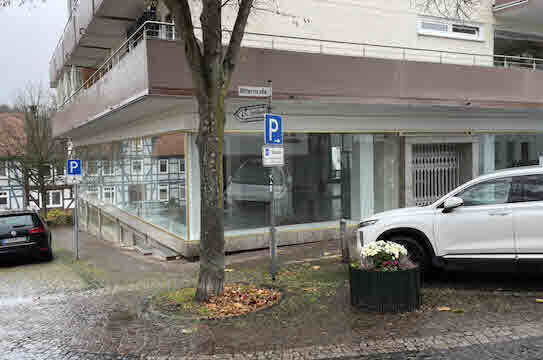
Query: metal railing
149	30
166	31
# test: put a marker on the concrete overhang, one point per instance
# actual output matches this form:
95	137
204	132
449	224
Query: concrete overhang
153	79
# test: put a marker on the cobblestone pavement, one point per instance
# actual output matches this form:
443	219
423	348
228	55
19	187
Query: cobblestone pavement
96	309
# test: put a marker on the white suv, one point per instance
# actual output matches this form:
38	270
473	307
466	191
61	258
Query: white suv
495	217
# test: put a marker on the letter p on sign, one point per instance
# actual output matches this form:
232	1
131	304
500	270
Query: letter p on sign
74	167
273	130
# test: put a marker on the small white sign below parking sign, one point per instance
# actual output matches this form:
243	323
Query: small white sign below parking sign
273	156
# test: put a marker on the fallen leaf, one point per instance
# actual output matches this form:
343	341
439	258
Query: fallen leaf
443	308
228	270
458	311
187	331
539	300
326	253
316	267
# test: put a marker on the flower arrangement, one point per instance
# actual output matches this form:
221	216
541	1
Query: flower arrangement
384	256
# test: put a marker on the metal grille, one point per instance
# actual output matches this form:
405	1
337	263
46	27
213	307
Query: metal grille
435	171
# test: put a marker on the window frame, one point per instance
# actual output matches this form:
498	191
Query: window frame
164	186
111	171
160	162
134	161
50	198
449	25
110	189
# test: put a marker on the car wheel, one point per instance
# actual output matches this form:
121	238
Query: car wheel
416	252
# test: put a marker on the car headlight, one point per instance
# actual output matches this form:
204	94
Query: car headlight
367	223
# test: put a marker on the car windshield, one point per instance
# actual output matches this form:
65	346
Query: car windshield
16	221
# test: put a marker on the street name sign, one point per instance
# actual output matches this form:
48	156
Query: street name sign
251	113
255	91
273	156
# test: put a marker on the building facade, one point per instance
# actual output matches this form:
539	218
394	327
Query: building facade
385	105
12	192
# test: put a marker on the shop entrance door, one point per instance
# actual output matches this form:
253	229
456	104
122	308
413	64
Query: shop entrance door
435	168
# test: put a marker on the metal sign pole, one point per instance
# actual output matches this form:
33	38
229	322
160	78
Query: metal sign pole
273	230
76	222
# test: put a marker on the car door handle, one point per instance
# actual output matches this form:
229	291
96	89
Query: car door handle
499	213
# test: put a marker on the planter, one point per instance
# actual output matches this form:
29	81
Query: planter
378	291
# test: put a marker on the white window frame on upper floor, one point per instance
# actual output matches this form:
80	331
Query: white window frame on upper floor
448	27
163	161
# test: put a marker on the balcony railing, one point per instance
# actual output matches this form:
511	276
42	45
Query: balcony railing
166	31
149	30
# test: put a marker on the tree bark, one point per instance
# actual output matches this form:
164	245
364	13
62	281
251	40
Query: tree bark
43	195
210	149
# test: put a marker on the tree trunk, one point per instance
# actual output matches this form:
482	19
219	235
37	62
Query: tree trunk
26	190
43	195
210	147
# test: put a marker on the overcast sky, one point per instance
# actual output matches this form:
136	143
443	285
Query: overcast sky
28	38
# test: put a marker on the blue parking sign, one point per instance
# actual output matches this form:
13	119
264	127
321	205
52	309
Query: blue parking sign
273	130
74	167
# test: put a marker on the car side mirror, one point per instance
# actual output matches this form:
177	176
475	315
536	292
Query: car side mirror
452	203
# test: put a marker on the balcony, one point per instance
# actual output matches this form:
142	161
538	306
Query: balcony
528	12
148	76
93	30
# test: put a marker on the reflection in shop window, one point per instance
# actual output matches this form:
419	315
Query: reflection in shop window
107	169
109	194
163	166
3	199
92	167
54	198
306	191
164	193
137	167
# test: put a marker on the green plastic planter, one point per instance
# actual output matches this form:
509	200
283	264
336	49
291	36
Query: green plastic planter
378	291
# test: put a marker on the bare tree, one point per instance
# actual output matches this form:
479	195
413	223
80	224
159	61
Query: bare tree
212	65
33	155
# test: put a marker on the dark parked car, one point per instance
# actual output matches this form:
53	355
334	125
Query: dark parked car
23	232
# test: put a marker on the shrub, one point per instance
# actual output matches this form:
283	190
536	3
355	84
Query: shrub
59	217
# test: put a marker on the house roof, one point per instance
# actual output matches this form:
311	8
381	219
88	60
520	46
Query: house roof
170	145
12	134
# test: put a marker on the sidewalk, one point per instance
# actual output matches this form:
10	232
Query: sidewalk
314	320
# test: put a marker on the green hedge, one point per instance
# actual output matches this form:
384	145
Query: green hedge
59	217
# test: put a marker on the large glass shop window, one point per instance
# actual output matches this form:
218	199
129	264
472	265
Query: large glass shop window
144	176
312	184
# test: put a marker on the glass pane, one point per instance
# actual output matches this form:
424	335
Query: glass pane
135	184
308	188
434	26
55	197
528	188
487	193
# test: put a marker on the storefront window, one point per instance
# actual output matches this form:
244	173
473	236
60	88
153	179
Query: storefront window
313	186
138	176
